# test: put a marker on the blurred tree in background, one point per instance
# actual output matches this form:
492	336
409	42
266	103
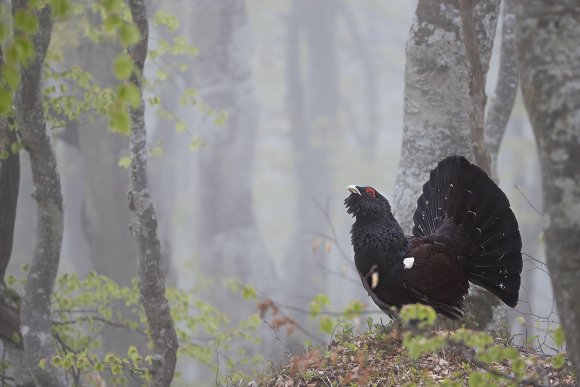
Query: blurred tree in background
253	116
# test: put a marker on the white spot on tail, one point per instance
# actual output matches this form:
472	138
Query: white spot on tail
408	262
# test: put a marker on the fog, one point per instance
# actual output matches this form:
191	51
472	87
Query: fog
294	100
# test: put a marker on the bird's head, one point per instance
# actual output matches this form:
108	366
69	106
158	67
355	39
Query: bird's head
366	202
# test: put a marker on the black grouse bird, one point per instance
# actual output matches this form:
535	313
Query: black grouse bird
464	232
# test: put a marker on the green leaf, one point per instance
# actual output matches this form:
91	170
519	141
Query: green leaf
119	120
26	21
5	101
129	34
111	6
60	7
20	50
326	324
180	126
370	322
476	379
128	92
354	309
221	118
16	147
165	18
248	292
559	336
558	361
424	315
124	162
318	303
418	345
4	154
112	22
123	66
42	364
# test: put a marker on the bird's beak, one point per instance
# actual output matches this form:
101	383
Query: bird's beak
353	189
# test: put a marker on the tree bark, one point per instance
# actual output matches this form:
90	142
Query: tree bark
144	224
36	304
476	82
9	299
9	182
437	107
548	53
436	110
501	104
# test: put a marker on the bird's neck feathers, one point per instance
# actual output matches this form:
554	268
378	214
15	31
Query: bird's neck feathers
382	234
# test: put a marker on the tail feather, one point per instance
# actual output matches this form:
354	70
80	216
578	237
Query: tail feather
460	199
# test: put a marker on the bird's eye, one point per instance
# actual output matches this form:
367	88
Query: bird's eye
371	192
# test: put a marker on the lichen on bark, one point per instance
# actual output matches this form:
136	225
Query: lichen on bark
144	224
36	304
437	106
548	53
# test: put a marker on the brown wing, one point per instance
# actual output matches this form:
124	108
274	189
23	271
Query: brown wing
437	279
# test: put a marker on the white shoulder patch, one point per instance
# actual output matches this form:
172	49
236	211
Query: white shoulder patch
408	262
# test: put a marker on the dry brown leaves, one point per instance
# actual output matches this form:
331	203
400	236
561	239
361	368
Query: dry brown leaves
380	360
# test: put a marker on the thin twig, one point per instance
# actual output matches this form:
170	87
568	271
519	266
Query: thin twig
530	203
278	337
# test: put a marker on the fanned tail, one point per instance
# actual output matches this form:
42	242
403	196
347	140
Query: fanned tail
464	209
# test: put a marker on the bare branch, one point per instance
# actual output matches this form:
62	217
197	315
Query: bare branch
144	224
36	304
476	85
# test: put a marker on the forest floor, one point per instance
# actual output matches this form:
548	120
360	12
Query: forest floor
379	358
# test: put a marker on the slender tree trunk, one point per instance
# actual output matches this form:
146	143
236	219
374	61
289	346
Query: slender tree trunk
438	109
549	54
144	224
36	305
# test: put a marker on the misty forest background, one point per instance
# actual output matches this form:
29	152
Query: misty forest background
258	115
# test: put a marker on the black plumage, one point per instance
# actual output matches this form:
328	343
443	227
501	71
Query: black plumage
464	232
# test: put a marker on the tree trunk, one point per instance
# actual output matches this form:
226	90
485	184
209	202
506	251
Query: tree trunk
9	182
9	299
144	224
312	106
501	104
437	105
36	304
229	242
548	54
105	216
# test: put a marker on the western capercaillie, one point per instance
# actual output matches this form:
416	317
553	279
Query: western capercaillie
464	231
